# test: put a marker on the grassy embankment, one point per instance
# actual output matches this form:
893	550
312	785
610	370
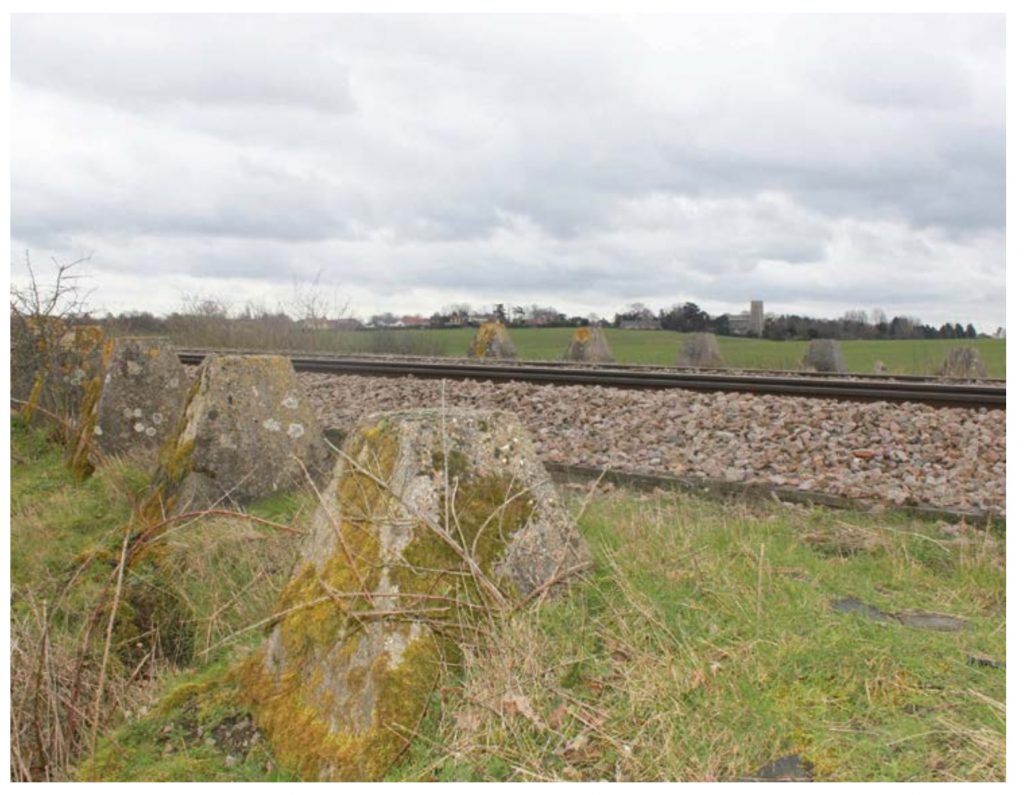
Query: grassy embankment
702	646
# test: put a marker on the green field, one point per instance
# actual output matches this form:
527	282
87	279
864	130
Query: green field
918	357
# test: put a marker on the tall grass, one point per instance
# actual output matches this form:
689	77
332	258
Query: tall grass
74	672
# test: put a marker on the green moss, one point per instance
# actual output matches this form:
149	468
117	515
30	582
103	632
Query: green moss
303	741
80	446
318	626
183	738
80	452
28	411
174	462
315	618
489	510
458	463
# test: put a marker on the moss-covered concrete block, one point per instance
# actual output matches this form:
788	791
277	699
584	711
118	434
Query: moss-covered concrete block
133	404
700	350
245	433
431	521
589	344
492	341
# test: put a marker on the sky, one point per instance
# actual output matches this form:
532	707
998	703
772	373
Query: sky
403	163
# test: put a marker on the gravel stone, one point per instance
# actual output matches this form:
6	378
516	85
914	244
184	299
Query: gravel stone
952	458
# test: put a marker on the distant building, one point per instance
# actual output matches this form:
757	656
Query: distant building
748	323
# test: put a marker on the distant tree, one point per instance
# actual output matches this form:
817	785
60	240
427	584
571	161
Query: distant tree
685	317
970	332
499	314
720	325
383	319
635	311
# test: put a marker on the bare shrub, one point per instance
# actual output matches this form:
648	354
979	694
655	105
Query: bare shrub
42	311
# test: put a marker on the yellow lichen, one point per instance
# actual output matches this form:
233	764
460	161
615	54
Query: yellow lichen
491	339
28	412
80	446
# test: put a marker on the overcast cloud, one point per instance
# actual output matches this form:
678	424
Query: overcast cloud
819	163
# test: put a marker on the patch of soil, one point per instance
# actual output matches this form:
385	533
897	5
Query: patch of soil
236	735
786	768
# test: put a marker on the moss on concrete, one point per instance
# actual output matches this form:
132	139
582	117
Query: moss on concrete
492	341
379	606
79	451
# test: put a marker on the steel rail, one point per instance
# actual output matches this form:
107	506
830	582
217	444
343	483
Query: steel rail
941	394
627	367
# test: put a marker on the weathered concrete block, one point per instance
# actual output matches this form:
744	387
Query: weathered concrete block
430	520
700	350
32	341
589	344
964	362
133	405
825	356
245	433
65	363
492	342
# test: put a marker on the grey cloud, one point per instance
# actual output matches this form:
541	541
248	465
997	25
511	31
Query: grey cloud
147	61
606	155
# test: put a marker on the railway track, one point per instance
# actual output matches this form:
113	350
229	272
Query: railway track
987	394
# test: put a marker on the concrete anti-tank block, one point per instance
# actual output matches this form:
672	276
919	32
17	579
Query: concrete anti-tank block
430	519
589	344
963	362
825	356
492	341
134	403
700	350
245	433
